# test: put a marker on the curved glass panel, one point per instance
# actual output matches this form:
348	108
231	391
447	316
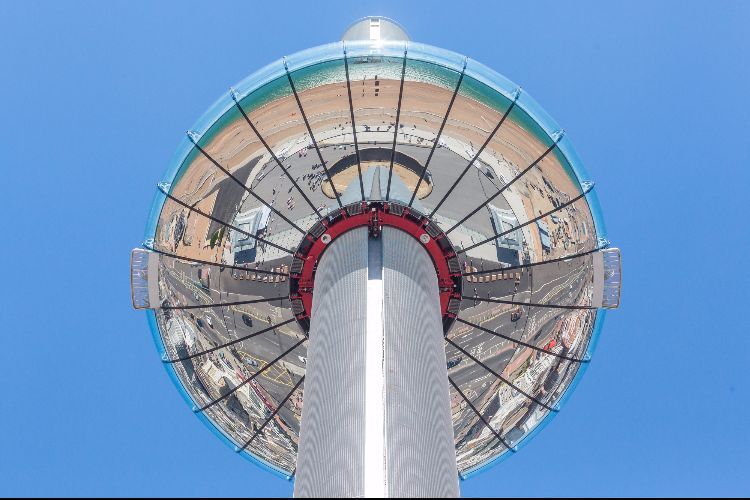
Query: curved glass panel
443	134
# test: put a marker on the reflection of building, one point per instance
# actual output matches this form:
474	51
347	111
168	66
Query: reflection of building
180	333
508	245
253	222
571	329
537	369
544	235
204	277
533	419
214	373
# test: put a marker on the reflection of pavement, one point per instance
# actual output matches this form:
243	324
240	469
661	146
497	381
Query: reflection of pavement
288	238
273	186
463	237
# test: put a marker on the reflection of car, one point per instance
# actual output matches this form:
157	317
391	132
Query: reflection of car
516	313
552	343
208	320
453	362
199	322
247	320
303	359
250	361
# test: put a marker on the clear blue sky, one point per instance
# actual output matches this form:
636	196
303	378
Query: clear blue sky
96	96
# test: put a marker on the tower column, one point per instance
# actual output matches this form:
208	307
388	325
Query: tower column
420	448
376	418
330	459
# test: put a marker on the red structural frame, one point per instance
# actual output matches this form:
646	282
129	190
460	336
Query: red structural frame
374	215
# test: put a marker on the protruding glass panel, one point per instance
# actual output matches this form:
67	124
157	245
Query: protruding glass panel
612	278
143	279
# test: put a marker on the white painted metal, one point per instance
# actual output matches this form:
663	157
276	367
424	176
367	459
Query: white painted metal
375	478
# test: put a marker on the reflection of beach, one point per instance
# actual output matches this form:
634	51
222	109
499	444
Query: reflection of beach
469	124
409	178
423	106
195	242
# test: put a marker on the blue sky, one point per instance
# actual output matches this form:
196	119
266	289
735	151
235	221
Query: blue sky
97	95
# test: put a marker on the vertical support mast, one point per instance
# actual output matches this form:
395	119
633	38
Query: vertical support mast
420	447
376	420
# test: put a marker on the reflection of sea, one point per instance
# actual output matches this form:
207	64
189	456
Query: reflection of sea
390	68
386	68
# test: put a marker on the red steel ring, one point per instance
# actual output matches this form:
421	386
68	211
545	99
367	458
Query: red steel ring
374	215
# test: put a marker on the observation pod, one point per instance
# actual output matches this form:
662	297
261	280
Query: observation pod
375	267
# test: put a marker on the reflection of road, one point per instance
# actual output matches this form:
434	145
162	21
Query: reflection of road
271	184
219	325
555	284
